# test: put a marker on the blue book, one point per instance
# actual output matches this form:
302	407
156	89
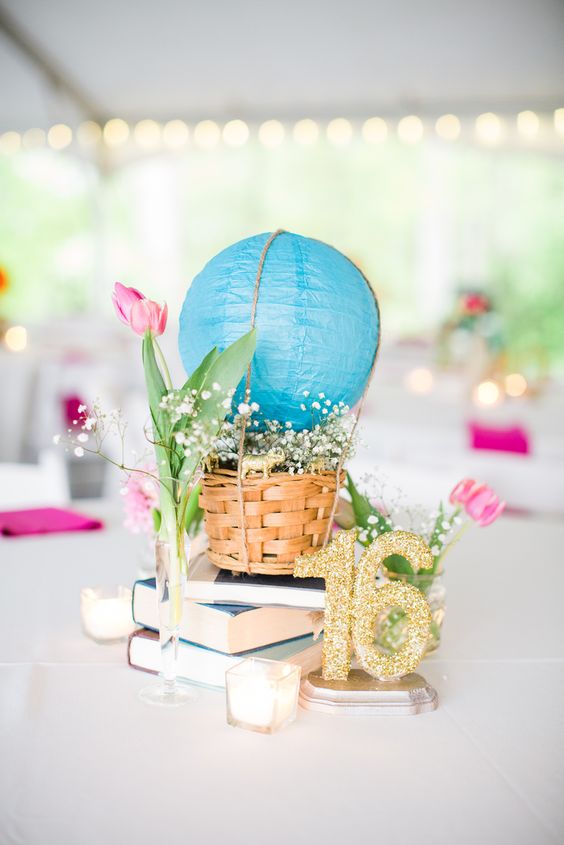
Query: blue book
204	666
228	628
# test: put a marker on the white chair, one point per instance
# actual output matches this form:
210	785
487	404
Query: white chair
34	485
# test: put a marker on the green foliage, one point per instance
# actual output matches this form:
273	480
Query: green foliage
369	519
48	233
176	464
371	523
226	369
196	380
157	519
496	210
364	511
156	389
194	513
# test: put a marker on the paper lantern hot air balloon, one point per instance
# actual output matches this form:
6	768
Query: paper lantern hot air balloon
317	322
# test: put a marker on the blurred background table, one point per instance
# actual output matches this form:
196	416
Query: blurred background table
84	761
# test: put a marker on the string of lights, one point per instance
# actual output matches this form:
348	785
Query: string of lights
489	129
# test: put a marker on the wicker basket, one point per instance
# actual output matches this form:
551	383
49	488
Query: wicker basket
285	516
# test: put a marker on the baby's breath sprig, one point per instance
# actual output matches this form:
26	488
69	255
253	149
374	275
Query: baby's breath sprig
320	447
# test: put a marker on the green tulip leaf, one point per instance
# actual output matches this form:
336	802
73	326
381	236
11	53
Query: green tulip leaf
226	369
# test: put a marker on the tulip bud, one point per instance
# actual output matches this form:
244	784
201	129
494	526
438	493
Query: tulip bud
147	315
124	299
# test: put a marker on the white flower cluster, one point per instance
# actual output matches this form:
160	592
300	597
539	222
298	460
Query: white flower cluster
91	428
318	448
178	404
194	432
436	527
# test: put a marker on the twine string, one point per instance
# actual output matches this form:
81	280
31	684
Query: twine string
244	546
344	453
360	406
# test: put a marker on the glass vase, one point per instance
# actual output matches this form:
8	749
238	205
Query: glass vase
171	571
391	626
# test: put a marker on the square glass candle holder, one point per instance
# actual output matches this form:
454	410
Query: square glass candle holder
106	613
262	695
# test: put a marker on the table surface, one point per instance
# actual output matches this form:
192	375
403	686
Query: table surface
83	760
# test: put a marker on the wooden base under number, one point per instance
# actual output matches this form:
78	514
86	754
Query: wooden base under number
363	695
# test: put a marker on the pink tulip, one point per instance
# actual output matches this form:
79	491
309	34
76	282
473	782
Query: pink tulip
462	491
483	506
124	298
147	315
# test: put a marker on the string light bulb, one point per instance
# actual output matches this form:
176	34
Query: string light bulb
515	385
410	129
206	134
147	134
488	128
16	338
486	393
448	127
10	142
374	130
271	133
306	131
419	381
175	134
33	138
89	133
115	132
235	133
59	136
528	124
339	131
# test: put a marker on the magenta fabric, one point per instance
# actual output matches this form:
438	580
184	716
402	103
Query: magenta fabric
514	439
45	521
71	404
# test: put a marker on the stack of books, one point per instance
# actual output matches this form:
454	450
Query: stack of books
228	617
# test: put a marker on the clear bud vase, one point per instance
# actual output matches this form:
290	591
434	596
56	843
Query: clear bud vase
392	625
171	578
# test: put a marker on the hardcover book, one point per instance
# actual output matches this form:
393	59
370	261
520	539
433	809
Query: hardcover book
224	627
203	666
206	583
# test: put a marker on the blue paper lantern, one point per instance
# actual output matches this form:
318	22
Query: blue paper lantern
317	322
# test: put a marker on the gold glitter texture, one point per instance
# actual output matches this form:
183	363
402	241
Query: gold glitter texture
369	601
335	564
352	604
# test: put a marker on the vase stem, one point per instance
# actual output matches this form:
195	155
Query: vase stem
169	591
170	571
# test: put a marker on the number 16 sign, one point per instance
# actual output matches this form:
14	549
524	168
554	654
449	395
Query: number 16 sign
352	606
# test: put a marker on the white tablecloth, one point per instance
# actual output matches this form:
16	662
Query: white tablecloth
84	762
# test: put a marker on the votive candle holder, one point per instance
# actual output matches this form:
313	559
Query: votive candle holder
262	695
106	613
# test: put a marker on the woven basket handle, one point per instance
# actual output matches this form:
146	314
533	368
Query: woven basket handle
247	398
357	414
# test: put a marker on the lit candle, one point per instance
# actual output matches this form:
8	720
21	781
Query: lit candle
262	695
106	613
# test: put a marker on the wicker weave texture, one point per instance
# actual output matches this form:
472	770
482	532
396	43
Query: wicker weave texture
285	515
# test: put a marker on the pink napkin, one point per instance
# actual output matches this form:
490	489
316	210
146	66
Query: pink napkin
514	439
45	521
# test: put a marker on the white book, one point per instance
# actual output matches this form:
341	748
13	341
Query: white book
207	583
203	666
224	627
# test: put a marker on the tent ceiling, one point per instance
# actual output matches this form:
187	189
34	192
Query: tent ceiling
141	58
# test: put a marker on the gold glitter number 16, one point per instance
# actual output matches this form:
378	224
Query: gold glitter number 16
353	603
